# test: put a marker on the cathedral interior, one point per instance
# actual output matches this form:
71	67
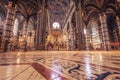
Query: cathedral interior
59	39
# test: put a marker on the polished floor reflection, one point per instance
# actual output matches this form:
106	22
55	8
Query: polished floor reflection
60	65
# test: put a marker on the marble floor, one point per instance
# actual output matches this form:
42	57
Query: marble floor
60	65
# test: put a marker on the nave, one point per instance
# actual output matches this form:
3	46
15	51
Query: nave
59	39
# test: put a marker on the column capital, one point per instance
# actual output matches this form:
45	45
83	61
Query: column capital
10	4
102	17
117	18
102	14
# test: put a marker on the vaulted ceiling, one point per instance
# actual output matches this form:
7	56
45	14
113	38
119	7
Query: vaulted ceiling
58	10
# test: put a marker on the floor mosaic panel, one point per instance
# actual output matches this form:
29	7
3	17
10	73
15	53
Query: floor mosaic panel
62	65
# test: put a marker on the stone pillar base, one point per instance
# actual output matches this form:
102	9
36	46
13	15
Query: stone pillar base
4	46
40	46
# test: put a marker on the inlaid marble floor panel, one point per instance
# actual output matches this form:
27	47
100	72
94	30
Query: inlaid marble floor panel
60	65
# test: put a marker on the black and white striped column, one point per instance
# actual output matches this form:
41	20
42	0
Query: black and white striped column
25	35
71	37
87	38
105	34
37	31
118	23
41	32
67	41
8	28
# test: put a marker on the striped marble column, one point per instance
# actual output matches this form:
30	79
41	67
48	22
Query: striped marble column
87	38
71	37
41	16
41	32
37	30
79	26
78	30
118	23
67	40
8	28
36	33
25	35
105	34
45	24
25	28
